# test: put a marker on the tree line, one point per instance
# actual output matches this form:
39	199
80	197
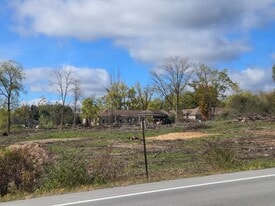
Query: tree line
177	83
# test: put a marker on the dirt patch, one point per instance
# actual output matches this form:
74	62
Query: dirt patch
179	136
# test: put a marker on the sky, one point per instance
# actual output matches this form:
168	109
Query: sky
98	38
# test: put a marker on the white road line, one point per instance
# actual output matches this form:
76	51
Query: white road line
164	190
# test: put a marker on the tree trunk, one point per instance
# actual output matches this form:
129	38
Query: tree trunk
177	107
62	117
74	119
9	116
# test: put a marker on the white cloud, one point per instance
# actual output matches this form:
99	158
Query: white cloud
92	81
254	79
151	30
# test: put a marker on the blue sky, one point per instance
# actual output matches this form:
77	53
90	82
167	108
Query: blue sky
96	38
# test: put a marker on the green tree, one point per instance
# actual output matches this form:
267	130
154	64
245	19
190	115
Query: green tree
131	99
268	102
155	104
171	78
11	78
3	118
121	97
45	116
90	110
189	100
246	102
76	93
21	116
116	95
50	115
210	86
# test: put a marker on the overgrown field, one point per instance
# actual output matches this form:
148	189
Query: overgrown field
49	162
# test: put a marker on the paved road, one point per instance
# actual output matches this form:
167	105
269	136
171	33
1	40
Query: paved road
242	188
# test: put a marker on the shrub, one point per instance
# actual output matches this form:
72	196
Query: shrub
5	170
67	174
34	154
71	173
220	155
13	167
21	166
106	168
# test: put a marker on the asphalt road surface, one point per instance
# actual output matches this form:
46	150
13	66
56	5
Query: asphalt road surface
242	188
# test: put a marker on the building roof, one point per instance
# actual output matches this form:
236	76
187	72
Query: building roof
159	113
133	113
123	113
192	112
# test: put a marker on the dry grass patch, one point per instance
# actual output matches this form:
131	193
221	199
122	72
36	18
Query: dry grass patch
179	136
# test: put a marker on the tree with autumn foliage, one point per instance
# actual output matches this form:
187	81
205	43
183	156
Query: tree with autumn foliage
210	86
207	98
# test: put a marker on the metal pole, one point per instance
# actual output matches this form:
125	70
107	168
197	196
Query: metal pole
144	149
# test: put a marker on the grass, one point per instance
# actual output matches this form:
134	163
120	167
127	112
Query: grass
233	146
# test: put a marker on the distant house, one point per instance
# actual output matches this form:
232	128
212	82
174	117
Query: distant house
194	114
158	116
132	116
119	116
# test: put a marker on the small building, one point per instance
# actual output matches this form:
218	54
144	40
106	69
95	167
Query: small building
194	114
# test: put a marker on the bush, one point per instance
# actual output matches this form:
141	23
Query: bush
5	170
71	173
220	155
67	174
106	169
14	169
34	154
21	166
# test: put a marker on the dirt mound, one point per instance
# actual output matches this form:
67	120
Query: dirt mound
179	136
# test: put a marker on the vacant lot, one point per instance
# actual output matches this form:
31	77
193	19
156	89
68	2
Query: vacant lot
114	157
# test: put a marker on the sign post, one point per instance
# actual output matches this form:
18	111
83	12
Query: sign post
144	148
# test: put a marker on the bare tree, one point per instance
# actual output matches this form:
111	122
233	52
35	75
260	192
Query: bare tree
11	77
144	95
76	93
171	78
63	82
